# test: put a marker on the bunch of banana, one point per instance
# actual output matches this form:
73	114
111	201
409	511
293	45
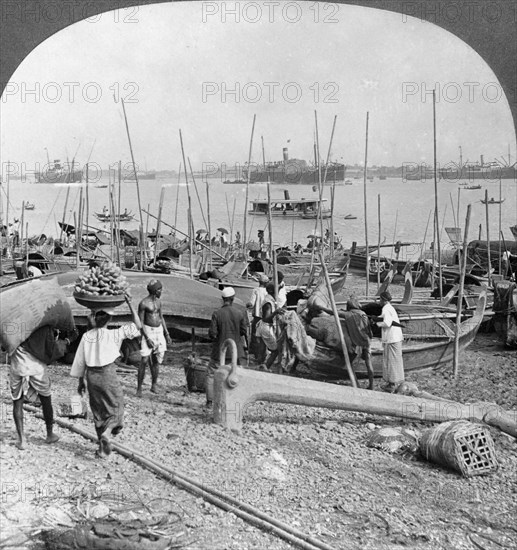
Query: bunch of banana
104	280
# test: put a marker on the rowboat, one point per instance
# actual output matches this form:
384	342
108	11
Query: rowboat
421	349
350	217
124	217
29	206
492	201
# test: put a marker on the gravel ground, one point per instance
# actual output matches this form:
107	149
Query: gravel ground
308	467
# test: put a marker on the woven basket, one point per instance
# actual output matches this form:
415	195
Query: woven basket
195	372
99	302
461	445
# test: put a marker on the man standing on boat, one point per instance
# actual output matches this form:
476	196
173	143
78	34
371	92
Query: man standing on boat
392	363
155	336
231	322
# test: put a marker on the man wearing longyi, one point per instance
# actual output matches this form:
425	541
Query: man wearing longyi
155	336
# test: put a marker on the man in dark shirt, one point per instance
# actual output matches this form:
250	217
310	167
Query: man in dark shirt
227	322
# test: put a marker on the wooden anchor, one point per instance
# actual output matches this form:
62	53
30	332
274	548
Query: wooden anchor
235	388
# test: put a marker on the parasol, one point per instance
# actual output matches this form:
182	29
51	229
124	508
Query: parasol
222	230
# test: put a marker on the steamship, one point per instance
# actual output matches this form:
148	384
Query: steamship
489	171
59	173
295	171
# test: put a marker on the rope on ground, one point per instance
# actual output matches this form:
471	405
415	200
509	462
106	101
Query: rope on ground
248	513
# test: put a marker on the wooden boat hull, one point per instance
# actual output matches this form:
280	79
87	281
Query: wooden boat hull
420	350
186	303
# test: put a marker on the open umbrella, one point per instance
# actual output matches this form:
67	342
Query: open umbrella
201	232
222	230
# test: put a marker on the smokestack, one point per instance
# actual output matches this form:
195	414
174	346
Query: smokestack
482	161
286	154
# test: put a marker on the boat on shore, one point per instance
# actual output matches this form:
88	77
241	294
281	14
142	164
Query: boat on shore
421	349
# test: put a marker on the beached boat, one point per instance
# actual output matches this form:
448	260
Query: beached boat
186	303
290	208
421	349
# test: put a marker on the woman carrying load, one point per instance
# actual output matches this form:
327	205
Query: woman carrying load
95	361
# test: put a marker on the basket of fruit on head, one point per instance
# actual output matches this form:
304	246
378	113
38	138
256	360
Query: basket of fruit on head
101	287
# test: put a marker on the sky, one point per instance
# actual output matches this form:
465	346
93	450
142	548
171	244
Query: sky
176	66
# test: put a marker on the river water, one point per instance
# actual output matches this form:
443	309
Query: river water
405	208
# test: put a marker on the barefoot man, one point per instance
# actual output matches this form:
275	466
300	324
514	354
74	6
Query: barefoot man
28	377
155	336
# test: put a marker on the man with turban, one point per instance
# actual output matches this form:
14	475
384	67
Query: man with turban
155	336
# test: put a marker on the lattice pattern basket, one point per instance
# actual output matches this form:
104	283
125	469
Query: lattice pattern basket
461	445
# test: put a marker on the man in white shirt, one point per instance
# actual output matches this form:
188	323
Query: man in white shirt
392	337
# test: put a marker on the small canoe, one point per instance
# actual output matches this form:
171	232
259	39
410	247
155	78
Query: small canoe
492	201
350	217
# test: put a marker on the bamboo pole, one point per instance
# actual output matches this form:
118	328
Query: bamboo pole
209	228
500	202
26	246
379	242
246	200
463	269
438	250
22	222
197	194
488	240
8	180
76	242
319	217
190	237
177	201
269	216
134	164
119	240
158	223
332	204
351	373
366	209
